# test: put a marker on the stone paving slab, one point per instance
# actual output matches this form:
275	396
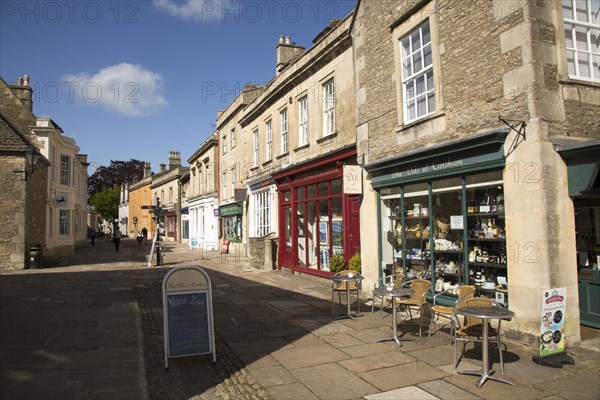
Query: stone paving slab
407	374
306	356
405	393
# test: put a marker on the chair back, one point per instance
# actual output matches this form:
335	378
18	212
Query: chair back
420	287
475	302
465	291
398	280
342	285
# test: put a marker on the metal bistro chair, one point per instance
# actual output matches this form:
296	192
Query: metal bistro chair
417	300
472	330
439	311
340	287
397	279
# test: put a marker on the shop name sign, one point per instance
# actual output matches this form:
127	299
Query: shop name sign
426	169
352	179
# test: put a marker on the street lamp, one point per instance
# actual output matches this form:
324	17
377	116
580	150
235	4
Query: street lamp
32	157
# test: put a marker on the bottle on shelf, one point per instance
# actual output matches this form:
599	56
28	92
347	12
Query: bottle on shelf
493	206
475	206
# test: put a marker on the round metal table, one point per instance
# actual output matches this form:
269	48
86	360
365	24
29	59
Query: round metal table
399	292
347	279
486	314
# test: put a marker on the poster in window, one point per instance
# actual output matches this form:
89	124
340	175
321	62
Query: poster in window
323	234
336	233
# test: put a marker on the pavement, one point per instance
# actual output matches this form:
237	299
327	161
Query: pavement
90	327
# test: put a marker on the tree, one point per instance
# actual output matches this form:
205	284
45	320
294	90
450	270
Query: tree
117	173
106	203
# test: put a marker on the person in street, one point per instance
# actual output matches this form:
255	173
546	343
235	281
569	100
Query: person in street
117	238
92	234
145	234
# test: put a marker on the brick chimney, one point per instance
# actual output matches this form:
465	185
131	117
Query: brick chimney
163	167
23	91
286	51
147	170
174	159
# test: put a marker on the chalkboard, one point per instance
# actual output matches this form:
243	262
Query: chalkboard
187	313
188	323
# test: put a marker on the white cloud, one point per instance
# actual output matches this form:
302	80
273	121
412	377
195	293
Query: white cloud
198	10
124	88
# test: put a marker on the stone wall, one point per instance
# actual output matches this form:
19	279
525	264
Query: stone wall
12	217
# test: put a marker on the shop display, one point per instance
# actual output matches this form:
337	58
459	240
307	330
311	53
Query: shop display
450	232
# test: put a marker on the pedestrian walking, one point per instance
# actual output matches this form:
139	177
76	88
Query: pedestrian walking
145	234
92	234
117	238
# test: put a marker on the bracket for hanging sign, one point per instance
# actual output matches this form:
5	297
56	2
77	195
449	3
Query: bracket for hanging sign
519	127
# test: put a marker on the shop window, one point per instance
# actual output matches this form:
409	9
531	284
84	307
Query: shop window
449	231
261	214
232	227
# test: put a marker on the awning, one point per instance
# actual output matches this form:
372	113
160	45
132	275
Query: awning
583	164
451	158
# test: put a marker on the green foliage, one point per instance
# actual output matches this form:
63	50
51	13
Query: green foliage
337	263
117	173
106	203
355	262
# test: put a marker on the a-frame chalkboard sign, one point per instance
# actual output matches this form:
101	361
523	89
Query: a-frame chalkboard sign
188	314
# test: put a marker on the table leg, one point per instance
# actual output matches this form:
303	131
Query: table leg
394	327
486	373
348	310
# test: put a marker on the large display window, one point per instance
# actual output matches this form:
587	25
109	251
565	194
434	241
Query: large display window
450	231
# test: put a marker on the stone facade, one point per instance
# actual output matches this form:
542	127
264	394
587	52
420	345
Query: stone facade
140	195
23	196
491	59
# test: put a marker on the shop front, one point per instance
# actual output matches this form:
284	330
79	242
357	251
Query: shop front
231	221
442	216
583	165
317	219
171	225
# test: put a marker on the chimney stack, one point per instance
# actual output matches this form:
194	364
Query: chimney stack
286	51
163	167
174	159
23	91
147	170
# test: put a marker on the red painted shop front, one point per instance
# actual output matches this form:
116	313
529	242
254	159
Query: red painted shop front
316	219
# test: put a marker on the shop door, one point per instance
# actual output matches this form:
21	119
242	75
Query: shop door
286	247
352	231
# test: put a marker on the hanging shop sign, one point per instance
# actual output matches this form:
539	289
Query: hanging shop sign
352	179
188	314
239	194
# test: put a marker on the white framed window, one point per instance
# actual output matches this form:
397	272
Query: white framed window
64	222
303	121
65	170
170	195
261	217
582	38
224	141
329	107
418	95
162	196
233	177
283	117
269	140
233	138
224	181
50	222
255	149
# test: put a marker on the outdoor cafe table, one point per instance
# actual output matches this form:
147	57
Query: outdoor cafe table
347	279
486	314
398	292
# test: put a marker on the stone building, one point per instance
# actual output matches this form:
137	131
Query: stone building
140	195
23	188
165	186
66	218
300	136
124	226
202	195
478	129
233	160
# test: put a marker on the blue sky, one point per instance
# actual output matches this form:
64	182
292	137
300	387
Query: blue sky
136	79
